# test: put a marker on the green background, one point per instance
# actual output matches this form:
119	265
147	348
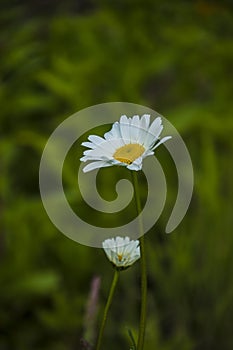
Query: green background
58	57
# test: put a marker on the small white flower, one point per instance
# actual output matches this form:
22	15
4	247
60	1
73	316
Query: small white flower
128	142
122	252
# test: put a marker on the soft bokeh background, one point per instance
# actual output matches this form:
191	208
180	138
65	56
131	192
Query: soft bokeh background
58	57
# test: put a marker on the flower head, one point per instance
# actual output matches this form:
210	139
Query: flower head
122	252
128	142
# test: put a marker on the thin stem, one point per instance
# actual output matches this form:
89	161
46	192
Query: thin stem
142	325
107	306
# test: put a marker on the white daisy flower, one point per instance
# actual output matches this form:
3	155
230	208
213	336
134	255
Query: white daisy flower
122	252
128	142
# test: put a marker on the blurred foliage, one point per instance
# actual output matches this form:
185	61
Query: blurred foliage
59	57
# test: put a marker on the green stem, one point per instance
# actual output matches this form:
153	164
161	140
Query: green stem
107	306
142	325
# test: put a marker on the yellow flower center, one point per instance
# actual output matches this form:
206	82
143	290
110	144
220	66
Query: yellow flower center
120	256
128	153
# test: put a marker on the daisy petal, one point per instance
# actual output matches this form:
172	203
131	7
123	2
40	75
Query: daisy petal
136	165
135	127
145	121
124	128
147	153
96	165
108	135
164	139
97	140
142	136
115	143
88	144
105	148
116	130
156	127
